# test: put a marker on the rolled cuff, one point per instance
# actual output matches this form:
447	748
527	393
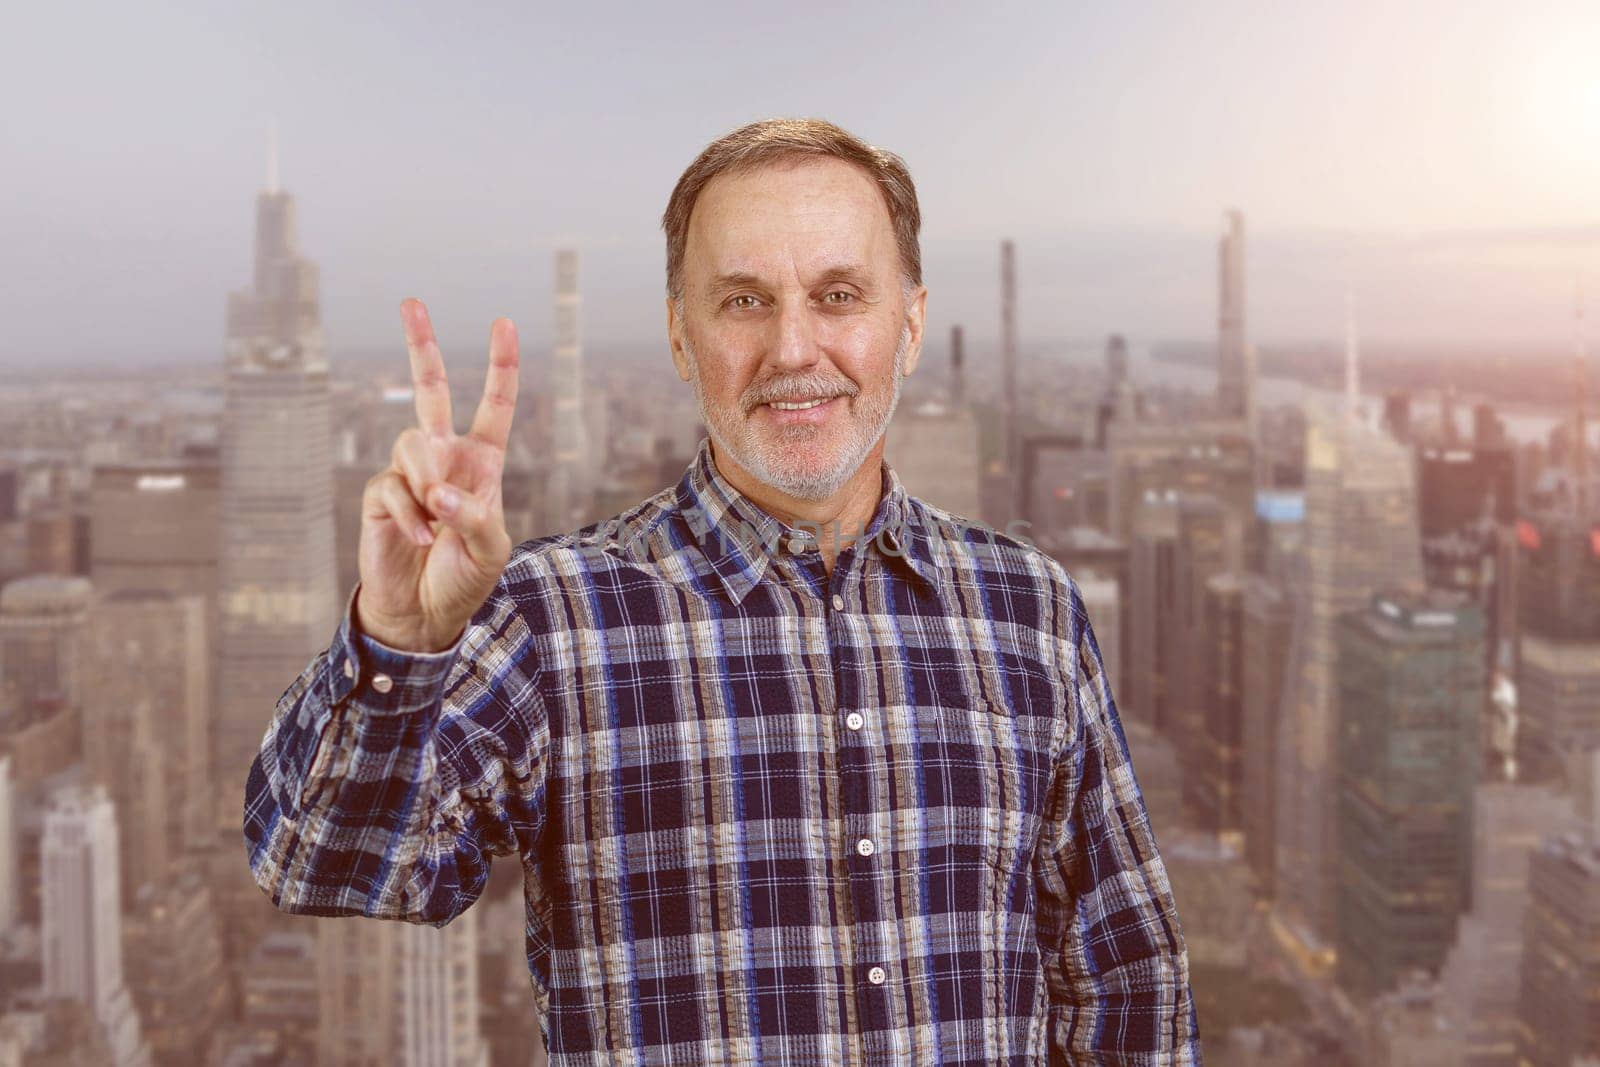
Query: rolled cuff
382	680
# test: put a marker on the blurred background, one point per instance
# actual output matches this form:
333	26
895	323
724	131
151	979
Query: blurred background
1269	318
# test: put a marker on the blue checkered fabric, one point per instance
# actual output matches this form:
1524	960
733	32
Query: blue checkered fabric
766	814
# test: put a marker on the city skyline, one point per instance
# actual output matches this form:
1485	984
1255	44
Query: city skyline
1438	162
1263	322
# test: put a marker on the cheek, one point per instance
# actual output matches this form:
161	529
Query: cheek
866	359
725	372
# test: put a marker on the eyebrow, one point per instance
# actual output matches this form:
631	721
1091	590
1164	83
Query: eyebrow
842	272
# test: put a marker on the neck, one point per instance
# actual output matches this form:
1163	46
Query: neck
837	519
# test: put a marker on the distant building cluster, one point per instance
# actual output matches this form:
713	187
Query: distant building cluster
1354	647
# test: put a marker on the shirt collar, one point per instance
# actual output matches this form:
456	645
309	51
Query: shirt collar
738	538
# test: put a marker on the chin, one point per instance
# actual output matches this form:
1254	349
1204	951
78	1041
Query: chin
806	477
804	465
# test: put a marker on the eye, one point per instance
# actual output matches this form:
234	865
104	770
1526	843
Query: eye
845	293
733	302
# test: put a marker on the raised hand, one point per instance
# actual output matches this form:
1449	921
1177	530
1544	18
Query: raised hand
433	531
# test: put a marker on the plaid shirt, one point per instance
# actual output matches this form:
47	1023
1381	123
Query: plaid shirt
765	814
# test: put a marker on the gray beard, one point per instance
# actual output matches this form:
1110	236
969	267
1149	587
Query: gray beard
764	461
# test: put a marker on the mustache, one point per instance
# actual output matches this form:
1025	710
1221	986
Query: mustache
796	385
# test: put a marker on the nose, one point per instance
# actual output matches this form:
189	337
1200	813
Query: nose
794	341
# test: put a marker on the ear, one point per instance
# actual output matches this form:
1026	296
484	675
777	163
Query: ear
916	311
675	327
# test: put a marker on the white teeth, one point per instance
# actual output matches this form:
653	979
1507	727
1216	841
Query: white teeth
782	406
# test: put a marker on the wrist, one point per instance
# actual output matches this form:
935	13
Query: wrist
398	635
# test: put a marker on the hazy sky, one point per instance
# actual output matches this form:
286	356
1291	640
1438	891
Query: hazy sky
1444	157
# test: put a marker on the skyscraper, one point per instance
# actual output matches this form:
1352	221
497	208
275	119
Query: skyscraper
570	475
1481	978
1152	552
1120	401
1008	366
1200	456
1558	675
958	373
934	450
357	1004
1558	593
1561	952
1361	534
1209	542
145	716
81	916
1235	380
10	897
1466	504
152	525
42	619
175	966
278	602
439	997
1267	617
1214	783
1411	694
1580	457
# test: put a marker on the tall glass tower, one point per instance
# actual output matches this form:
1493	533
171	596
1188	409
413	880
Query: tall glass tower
277	596
1362	534
1235	376
571	488
1411	693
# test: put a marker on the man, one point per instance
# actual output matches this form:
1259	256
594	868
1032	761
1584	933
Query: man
799	768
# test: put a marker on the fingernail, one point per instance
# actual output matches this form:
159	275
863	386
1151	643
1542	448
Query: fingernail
447	500
424	536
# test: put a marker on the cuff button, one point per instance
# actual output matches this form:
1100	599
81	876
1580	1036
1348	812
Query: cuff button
382	683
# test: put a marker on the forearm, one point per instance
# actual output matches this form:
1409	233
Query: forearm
344	802
1120	990
1114	956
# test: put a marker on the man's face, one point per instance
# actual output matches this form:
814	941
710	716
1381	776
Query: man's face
795	329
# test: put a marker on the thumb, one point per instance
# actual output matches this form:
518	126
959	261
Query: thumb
470	517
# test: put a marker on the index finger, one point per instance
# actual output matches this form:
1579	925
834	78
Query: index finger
428	382
492	423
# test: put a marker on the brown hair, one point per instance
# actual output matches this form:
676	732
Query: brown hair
774	140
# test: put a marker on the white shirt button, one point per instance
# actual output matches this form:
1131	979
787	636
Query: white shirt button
382	683
864	846
876	976
854	720
349	669
838	602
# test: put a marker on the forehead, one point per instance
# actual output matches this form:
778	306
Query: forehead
789	216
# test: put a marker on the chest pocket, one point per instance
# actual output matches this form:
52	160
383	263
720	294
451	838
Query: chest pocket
982	771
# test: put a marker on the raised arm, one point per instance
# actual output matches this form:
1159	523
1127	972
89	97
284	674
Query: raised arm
385	790
1114	956
412	749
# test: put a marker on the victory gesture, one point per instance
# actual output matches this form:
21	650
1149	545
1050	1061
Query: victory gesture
433	531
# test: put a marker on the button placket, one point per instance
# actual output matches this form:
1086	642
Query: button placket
859	774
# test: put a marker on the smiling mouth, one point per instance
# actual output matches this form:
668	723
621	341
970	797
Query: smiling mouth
798	405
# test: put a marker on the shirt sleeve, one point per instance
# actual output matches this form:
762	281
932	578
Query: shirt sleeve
1115	961
387	780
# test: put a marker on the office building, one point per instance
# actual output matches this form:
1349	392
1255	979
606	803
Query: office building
1361	535
82	922
1411	695
278	598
